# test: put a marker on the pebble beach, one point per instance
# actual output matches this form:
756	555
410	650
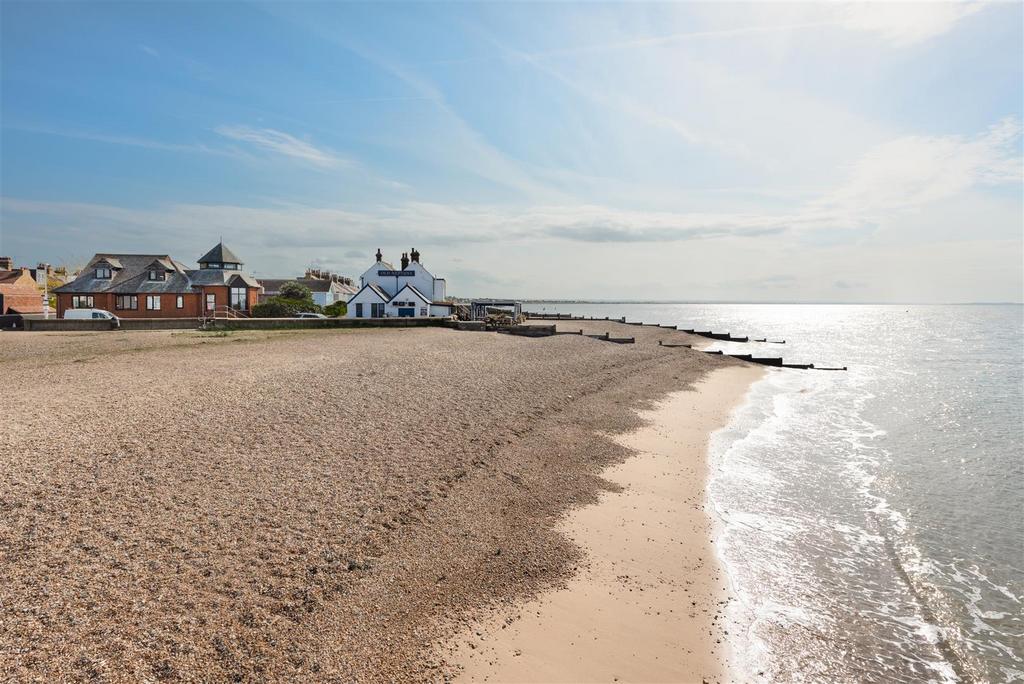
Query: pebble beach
336	505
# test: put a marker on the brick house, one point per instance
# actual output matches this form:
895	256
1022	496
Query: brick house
157	286
19	293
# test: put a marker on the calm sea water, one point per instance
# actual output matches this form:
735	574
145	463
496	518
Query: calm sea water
871	522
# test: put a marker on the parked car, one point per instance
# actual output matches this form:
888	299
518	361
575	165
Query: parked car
310	314
96	314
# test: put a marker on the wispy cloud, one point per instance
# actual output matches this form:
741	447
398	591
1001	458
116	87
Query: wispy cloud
151	51
641	42
901	23
912	171
903	175
613	226
615	98
458	142
905	23
130	141
281	143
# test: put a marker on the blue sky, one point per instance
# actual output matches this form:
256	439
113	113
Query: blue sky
866	152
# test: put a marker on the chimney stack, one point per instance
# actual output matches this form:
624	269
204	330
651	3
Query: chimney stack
6	263
405	261
415	255
379	255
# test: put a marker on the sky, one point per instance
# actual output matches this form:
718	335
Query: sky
867	152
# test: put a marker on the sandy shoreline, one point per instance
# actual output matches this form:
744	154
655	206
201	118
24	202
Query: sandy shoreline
296	506
647	605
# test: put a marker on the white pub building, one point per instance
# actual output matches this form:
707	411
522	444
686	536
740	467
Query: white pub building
409	291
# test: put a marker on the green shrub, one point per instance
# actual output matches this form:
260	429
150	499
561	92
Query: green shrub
336	309
283	307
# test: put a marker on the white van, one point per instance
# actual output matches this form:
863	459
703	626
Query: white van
98	314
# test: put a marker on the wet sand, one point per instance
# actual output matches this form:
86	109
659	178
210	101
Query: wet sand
647	605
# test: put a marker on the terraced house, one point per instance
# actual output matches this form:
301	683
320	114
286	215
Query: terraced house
157	286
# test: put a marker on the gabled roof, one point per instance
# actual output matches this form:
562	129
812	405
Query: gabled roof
314	284
173	282
133	276
126	267
112	260
373	288
11	277
415	292
219	276
220	254
166	264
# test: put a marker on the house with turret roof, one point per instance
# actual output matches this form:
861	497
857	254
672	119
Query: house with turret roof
158	286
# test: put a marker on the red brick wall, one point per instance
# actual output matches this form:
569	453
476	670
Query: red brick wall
24	303
22	293
168	306
194	304
223	295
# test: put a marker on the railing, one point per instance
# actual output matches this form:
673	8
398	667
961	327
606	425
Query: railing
224	311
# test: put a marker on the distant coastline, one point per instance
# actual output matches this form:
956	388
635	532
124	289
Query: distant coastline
768	302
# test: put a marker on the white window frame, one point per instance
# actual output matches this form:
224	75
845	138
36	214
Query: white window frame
152	300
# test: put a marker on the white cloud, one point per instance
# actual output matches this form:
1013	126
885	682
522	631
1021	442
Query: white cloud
905	23
902	175
913	171
280	143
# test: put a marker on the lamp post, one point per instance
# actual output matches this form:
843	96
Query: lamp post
46	295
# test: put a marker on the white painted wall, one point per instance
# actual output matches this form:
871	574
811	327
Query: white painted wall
438	310
405	295
422	279
365	297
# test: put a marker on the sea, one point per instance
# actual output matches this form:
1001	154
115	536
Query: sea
870	522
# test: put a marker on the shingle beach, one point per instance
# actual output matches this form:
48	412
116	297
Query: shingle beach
307	506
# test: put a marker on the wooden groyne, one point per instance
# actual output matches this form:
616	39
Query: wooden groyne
550	330
722	337
775	361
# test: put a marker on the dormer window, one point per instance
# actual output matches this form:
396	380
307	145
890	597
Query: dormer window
103	273
156	274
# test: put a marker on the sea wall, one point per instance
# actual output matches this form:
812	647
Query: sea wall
63	325
92	324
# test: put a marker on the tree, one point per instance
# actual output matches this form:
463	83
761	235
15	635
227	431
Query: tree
294	290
